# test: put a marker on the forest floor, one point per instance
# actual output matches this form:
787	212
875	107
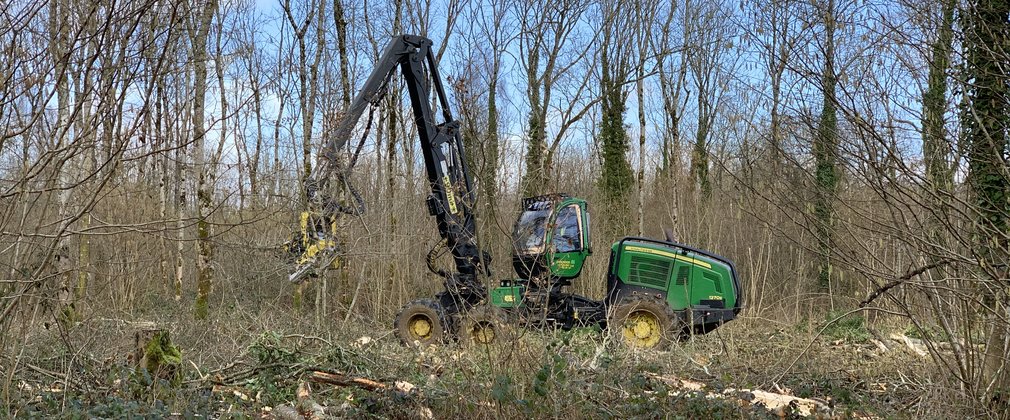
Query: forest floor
260	363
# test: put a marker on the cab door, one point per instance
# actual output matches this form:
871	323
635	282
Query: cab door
569	240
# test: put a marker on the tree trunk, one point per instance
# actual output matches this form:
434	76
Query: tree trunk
935	147
825	155
986	124
643	43
491	152
616	176
60	54
205	248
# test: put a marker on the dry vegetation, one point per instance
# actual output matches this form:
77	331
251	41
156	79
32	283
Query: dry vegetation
252	364
256	349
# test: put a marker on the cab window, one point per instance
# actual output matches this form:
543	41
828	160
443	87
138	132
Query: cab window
567	235
529	233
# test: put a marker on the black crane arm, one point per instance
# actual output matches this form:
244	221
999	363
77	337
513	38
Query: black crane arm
452	195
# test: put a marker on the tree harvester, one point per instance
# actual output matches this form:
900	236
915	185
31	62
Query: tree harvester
656	290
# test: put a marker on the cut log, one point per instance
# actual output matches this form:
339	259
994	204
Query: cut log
285	412
306	406
780	404
914	344
344	380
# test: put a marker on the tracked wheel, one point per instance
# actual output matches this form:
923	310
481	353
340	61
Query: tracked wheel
644	322
421	323
483	325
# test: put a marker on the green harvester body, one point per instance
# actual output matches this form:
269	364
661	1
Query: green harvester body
551	244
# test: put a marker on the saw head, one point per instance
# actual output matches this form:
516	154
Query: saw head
314	248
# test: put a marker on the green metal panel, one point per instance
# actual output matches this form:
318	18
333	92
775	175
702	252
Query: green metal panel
568	264
710	284
507	296
679	294
686	277
649	270
683	273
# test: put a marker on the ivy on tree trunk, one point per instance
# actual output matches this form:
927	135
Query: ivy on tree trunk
617	177
825	155
985	122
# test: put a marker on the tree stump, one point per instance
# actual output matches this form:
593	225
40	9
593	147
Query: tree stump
155	353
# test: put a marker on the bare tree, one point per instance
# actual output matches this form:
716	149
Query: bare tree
199	32
644	10
708	37
553	47
672	69
773	33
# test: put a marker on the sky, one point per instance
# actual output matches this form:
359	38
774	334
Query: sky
745	80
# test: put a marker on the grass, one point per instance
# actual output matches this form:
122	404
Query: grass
846	327
244	365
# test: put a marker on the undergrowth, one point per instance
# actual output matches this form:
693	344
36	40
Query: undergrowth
252	366
851	327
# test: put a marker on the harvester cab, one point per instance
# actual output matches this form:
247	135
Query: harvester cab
550	240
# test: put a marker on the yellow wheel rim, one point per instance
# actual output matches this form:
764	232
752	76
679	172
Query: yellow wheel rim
483	333
642	329
420	326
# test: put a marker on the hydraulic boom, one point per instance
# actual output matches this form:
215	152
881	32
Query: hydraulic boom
452	194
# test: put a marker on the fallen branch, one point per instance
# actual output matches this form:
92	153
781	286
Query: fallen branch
339	379
47	372
678	383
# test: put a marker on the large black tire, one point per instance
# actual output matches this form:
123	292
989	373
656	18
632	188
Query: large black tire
483	325
421	323
644	322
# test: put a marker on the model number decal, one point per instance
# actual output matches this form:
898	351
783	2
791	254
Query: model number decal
448	194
